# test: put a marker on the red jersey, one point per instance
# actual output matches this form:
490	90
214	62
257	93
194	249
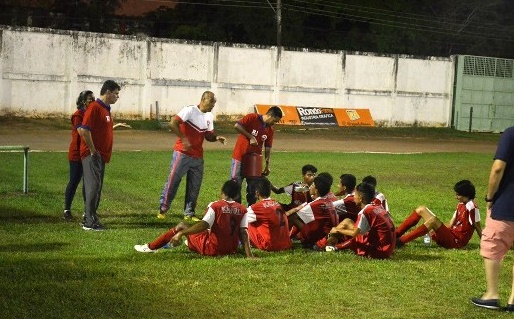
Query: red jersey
319	217
347	208
299	194
225	218
268	227
466	215
97	119
194	124
74	149
377	238
254	124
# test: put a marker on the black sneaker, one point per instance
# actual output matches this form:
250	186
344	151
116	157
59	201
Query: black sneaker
399	243
67	215
94	227
486	303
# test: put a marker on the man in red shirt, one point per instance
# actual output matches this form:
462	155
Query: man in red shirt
218	233
255	131
299	191
96	149
268	227
372	235
346	207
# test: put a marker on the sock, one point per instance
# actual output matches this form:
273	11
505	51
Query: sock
409	222
293	232
163	239
417	232
345	245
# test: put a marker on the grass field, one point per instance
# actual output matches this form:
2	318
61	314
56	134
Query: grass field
50	268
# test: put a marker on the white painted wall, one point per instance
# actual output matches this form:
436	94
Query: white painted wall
42	71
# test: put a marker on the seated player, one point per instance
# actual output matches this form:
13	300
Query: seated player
214	235
314	220
372	235
299	191
346	207
379	197
268	227
458	232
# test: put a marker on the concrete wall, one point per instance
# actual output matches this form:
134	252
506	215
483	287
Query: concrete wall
42	71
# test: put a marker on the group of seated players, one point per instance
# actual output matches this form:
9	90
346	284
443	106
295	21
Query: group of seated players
355	218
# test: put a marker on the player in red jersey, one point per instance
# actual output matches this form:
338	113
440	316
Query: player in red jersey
218	233
299	191
96	150
255	132
268	227
379	197
459	230
372	235
346	207
192	125
315	219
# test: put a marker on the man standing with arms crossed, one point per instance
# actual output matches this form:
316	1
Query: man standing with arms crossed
498	235
255	131
192	125
97	134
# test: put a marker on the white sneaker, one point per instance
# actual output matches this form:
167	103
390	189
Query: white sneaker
144	249
330	248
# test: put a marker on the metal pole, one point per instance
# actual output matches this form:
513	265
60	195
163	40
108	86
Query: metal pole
470	118
25	170
279	24
157	110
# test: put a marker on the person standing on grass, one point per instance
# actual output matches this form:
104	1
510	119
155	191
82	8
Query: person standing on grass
191	125
255	131
299	191
498	234
372	235
458	232
312	221
83	100
268	227
96	150
224	224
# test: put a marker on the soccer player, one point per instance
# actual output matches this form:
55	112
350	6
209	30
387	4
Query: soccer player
372	235
255	132
191	125
458	232
268	227
379	197
299	191
315	219
346	207
218	233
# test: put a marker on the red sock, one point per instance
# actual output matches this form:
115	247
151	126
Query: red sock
417	232
163	239
346	245
410	221
293	232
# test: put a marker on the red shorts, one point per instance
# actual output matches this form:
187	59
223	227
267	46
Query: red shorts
497	238
445	238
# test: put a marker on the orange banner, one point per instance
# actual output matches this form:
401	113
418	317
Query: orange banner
303	115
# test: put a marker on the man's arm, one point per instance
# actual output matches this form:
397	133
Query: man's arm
241	130
495	176
267	157
213	138
197	227
86	135
175	128
243	235
478	228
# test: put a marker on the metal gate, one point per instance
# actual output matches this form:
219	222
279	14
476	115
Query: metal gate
484	94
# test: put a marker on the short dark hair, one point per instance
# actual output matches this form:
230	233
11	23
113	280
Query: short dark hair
323	182
109	85
349	181
230	189
366	191
465	188
309	167
263	186
370	180
81	99
275	111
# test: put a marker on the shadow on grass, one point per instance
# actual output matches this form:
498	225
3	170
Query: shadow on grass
32	248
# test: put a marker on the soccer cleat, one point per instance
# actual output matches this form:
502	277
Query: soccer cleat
161	215
95	227
399	243
67	215
191	219
144	249
486	303
330	248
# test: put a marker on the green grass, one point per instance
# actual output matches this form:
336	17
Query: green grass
53	269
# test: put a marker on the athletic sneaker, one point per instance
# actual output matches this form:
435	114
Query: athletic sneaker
67	215
144	249
486	303
191	219
330	248
161	215
94	227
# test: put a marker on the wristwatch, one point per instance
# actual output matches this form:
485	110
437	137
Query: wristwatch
488	200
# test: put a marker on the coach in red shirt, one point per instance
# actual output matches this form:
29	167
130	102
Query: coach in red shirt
96	132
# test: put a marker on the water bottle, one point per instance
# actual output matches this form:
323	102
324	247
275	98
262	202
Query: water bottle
427	239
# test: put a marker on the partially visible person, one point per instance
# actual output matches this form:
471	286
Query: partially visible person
379	197
346	207
192	125
255	132
96	150
457	233
372	235
313	221
299	191
268	227
498	234
83	100
224	224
